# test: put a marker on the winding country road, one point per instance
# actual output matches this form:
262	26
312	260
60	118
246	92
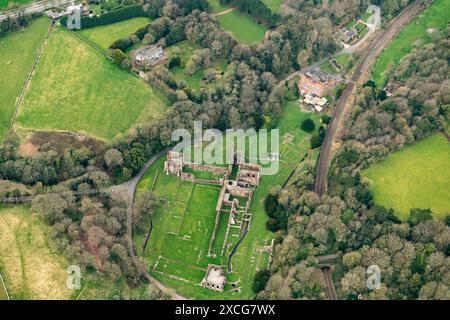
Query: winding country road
321	183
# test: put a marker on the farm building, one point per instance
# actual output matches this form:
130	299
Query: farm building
214	278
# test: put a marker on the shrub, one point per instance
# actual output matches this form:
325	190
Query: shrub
308	125
260	280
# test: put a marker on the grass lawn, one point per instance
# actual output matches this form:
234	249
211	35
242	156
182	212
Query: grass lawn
435	17
416	177
30	268
5	3
104	36
273	5
182	228
242	28
342	59
76	88
17	52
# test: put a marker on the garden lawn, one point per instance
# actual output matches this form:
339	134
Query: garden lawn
435	17
17	52
30	267
242	28
182	228
104	36
75	88
416	177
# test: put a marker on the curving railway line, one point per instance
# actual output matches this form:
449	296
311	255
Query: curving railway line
321	183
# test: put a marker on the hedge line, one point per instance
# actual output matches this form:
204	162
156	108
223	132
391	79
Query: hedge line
110	17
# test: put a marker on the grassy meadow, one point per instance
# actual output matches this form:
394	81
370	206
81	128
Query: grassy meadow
242	28
104	36
17	52
176	253
75	88
416	177
30	267
435	17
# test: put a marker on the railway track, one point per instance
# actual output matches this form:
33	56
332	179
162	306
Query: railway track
321	183
331	291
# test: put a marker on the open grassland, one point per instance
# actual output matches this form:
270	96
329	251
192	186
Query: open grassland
435	17
5	4
177	251
30	268
416	177
75	88
242	28
104	36
17	53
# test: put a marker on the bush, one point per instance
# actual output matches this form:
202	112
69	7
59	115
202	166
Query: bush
417	216
260	280
308	125
326	119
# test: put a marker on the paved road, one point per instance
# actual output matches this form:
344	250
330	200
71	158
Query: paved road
321	183
130	189
34	8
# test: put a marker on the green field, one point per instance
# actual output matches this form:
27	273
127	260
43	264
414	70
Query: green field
243	28
75	88
6	3
31	269
104	36
17	52
435	17
182	228
416	177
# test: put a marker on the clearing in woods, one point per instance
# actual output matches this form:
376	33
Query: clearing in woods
417	176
